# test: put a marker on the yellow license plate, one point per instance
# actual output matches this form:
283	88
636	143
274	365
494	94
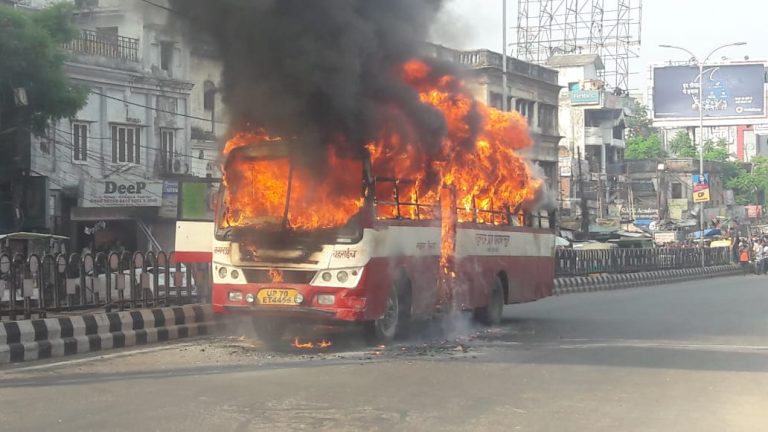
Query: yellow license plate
284	297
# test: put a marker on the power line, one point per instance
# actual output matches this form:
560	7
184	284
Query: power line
156	109
90	137
163	7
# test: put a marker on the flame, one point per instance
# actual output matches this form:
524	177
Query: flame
276	275
310	345
471	173
257	189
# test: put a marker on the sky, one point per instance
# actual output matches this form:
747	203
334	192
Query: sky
698	25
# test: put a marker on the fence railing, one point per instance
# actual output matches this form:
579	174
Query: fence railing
38	285
105	45
584	262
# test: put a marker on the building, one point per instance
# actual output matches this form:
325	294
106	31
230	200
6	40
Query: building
663	190
532	90
109	176
591	121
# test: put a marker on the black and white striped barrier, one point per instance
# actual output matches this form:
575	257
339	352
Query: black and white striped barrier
57	337
608	282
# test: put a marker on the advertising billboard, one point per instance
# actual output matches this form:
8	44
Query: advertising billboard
700	188
730	91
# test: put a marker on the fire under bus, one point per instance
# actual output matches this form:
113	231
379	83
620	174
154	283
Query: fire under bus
381	265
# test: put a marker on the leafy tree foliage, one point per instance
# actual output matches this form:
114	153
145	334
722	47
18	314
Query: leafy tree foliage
31	58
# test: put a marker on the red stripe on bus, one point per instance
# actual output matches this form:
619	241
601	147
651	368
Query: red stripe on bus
194	257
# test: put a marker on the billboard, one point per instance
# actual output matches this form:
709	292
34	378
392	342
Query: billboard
700	188
730	91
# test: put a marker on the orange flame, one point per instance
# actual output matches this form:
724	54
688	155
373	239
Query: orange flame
276	275
476	158
310	345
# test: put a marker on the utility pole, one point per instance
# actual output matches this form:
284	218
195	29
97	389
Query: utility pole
504	92
583	203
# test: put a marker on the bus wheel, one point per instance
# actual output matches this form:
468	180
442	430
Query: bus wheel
491	314
270	331
387	327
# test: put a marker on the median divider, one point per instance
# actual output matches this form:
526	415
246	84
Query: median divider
609	282
57	337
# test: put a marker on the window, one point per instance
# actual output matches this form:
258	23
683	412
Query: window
677	190
209	96
166	56
547	117
167	148
126	144
79	142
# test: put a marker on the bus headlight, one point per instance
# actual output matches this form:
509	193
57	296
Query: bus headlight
235	296
327	276
223	272
250	298
342	276
326	299
299	299
235	274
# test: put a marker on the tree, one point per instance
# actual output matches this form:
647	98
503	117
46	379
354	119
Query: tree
639	124
716	150
31	63
748	187
681	145
645	148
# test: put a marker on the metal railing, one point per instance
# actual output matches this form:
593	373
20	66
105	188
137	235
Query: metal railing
105	45
585	262
39	285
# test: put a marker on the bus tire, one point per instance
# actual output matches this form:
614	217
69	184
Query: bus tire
270	332
491	315
395	320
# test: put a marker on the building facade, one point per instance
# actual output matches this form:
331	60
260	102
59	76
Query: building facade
592	123
108	178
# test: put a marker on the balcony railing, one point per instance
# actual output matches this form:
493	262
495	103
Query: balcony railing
105	45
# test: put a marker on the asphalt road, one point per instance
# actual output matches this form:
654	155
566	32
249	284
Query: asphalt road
687	357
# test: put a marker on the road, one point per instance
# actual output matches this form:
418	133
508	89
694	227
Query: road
683	357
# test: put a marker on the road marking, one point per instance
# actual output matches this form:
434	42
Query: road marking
585	343
98	357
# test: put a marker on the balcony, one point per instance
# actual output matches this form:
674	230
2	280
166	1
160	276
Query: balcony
105	45
593	136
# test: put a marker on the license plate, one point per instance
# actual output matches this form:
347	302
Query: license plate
285	297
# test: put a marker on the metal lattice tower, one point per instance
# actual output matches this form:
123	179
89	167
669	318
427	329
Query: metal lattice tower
547	27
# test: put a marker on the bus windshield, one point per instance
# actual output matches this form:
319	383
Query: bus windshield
266	194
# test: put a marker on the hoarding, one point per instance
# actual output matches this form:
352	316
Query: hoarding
700	188
730	91
122	193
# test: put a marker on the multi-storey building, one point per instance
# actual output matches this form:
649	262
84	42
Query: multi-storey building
108	178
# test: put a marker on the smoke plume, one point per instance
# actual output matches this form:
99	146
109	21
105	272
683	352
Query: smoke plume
324	72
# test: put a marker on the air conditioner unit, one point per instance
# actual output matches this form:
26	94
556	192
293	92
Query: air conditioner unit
180	166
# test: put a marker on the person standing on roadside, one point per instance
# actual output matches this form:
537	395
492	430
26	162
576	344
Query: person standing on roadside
744	258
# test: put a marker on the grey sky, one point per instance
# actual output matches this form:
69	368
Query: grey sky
698	25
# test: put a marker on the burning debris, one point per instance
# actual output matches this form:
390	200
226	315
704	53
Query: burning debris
323	344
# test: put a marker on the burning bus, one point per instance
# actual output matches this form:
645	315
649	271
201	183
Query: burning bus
386	233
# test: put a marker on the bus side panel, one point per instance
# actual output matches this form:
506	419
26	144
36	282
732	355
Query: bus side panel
529	278
194	241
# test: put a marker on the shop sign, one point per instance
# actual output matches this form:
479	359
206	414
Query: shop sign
122	193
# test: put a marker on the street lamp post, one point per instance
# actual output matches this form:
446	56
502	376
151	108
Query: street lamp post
701	65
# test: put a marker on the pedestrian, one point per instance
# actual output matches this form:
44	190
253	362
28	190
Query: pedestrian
744	259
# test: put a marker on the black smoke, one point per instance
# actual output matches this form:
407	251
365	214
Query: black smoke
323	71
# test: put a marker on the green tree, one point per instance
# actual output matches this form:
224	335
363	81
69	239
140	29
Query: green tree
645	148
31	62
639	123
681	145
716	150
749	186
